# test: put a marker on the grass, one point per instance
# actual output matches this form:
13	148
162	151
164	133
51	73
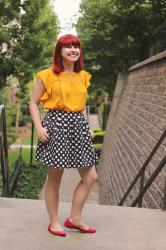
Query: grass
13	155
24	139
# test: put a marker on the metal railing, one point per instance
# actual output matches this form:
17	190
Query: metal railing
106	112
32	141
141	174
4	153
100	117
15	174
8	184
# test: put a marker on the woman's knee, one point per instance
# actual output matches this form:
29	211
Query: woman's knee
90	179
54	176
94	177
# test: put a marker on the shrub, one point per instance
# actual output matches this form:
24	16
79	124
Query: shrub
97	130
98	140
30	181
98	147
98	137
12	135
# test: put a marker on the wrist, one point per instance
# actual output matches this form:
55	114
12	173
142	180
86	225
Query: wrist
38	127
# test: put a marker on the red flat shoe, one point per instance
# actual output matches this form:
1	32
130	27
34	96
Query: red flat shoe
69	224
57	232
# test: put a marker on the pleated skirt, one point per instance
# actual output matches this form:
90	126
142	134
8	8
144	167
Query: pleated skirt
69	144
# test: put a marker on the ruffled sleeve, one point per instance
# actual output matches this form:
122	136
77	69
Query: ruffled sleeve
87	78
44	76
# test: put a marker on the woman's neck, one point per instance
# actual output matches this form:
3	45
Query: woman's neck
68	67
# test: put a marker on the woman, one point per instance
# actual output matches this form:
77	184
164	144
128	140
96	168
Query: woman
64	134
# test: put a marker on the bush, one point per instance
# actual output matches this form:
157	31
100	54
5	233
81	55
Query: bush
30	181
97	130
98	148
12	135
98	137
98	140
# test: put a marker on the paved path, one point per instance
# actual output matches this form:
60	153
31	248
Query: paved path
93	121
14	146
24	227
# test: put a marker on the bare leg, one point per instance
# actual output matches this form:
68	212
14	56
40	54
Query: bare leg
88	178
52	196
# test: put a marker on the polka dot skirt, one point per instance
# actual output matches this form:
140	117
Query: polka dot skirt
70	145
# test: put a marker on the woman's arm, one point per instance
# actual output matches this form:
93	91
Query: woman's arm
34	110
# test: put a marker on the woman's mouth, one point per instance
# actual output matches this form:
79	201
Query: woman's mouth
72	54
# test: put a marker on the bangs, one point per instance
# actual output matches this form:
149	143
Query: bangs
69	40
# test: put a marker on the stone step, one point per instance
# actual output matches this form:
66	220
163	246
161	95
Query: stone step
23	226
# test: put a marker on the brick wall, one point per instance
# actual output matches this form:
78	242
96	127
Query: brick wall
136	121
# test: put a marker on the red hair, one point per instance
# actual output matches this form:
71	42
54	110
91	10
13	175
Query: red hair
57	60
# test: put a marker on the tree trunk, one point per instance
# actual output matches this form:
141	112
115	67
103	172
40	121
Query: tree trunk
17	115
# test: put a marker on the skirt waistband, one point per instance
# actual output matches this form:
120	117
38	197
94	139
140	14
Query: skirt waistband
62	111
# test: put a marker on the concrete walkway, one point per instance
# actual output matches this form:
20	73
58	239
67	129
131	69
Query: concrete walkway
24	227
93	121
15	146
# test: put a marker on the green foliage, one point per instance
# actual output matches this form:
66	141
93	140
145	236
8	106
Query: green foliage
28	30
98	147
112	32
30	181
12	135
98	137
11	115
98	140
97	130
13	155
97	96
34	173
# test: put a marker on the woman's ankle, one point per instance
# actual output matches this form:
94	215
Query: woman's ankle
74	218
54	221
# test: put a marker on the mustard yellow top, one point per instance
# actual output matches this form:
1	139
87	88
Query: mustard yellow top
65	91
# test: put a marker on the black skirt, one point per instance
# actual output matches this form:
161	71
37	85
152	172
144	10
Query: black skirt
70	144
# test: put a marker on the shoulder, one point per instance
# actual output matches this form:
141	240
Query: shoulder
85	73
46	74
86	76
48	71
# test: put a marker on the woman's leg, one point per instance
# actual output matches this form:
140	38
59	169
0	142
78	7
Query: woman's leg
52	196
88	178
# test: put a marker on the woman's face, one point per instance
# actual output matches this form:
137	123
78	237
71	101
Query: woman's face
70	53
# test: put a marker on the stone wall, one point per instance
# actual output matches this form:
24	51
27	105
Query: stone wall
137	120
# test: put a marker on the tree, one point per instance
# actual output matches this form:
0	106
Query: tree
29	30
112	32
9	16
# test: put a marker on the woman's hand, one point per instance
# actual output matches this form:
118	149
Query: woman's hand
91	134
42	134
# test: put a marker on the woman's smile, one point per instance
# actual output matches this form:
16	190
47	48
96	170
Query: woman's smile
71	53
